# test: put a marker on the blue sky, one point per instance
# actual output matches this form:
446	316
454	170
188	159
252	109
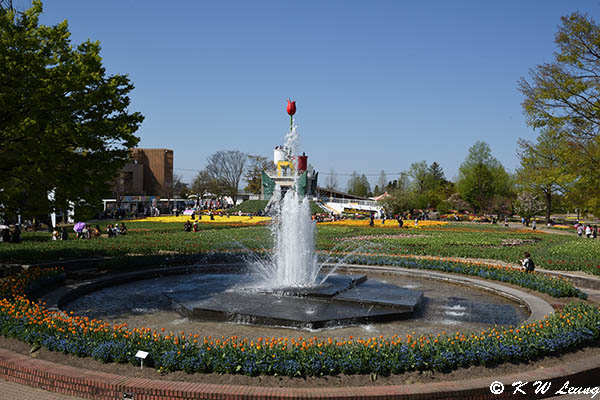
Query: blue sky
378	84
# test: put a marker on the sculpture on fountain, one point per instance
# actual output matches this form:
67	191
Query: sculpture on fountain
289	289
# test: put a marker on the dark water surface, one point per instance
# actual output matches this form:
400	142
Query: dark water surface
445	307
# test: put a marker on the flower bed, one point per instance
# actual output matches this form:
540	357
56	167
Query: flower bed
554	286
390	223
218	219
30	322
29	282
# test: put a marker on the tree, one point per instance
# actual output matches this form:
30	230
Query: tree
421	179
358	185
253	174
528	205
180	188
481	177
565	96
381	184
542	170
225	169
64	123
201	185
436	174
331	182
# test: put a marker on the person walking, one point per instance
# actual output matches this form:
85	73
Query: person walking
534	225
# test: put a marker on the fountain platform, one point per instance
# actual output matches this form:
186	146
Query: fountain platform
339	301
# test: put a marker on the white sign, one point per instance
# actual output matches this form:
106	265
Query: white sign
141	354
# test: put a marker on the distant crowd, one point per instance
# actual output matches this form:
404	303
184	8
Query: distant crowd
89	232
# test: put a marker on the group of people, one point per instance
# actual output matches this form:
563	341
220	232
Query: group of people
116	230
8	236
88	232
189	227
62	235
590	231
400	218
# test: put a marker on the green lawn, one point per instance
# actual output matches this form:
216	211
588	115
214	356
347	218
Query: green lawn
551	251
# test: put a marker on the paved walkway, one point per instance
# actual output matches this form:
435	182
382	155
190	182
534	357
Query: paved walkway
14	391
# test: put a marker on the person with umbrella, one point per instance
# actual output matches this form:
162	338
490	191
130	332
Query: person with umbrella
78	228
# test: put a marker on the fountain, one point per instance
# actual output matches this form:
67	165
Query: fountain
290	292
290	288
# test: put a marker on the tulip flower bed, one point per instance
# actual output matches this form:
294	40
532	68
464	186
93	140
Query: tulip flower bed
553	286
29	282
390	223
217	219
578	324
556	252
560	252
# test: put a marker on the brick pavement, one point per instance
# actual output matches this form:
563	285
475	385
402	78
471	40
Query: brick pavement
14	391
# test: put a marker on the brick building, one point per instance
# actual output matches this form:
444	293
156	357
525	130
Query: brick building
150	173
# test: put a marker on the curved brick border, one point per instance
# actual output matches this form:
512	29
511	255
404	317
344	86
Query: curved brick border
88	384
103	386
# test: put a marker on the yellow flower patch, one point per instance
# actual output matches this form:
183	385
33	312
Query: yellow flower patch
233	219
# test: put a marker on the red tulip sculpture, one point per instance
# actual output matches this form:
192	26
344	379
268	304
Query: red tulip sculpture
291	110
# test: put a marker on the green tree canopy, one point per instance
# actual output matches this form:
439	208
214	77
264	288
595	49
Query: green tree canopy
542	171
358	185
64	123
481	177
564	96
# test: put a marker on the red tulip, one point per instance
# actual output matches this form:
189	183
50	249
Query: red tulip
291	107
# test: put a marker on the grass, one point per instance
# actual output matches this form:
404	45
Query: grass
549	251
